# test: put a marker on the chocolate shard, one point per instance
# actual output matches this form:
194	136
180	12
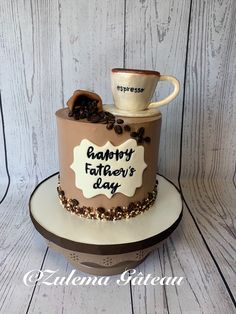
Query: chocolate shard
141	131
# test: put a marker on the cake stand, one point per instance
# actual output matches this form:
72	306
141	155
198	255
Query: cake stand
104	247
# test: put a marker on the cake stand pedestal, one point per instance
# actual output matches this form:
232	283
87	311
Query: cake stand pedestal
104	247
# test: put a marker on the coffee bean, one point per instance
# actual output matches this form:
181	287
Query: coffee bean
118	129
101	114
76	107
75	202
133	134
103	121
141	131
147	139
110	119
95	118
109	114
120	121
150	195
138	204
101	210
110	126
76	111
103	118
108	216
92	108
131	207
127	128
89	111
118	209
94	102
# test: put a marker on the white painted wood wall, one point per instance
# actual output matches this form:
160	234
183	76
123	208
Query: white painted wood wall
50	48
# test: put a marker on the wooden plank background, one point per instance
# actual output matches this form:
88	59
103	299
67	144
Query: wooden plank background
50	48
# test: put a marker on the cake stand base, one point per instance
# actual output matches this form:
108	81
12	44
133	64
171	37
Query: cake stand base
104	247
102	265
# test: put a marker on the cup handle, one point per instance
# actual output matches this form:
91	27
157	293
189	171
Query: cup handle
172	96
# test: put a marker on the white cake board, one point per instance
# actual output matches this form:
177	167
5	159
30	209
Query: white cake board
104	247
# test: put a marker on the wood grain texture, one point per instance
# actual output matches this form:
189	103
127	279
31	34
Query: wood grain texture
213	205
4	177
184	254
79	299
21	249
209	128
156	38
31	85
92	36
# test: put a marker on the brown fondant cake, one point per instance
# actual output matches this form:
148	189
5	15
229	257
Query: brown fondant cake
108	163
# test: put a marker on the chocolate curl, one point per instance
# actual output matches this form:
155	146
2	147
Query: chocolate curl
90	95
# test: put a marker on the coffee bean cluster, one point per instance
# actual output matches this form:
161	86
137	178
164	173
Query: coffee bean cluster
116	124
86	108
114	213
139	136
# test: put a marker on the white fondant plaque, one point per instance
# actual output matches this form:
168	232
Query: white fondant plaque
108	169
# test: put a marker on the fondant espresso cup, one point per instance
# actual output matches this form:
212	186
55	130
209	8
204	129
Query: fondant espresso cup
133	89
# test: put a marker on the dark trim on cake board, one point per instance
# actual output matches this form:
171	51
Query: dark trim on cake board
103	249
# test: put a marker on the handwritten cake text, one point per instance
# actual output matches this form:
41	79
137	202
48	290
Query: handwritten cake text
108	169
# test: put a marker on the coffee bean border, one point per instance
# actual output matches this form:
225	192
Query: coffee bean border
114	213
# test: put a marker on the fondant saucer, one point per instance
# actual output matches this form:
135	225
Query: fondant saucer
144	113
104	247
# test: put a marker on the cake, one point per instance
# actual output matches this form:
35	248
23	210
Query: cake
108	163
